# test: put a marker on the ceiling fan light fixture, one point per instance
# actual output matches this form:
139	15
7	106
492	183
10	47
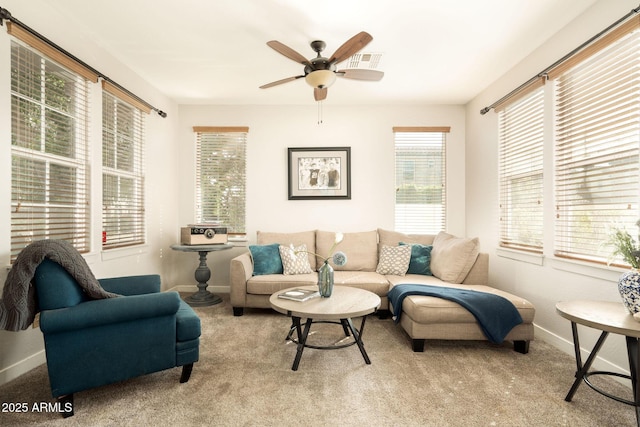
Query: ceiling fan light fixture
320	78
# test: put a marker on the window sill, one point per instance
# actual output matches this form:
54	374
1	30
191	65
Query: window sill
598	271
107	255
529	257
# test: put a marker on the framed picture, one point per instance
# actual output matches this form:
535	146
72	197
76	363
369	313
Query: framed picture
319	173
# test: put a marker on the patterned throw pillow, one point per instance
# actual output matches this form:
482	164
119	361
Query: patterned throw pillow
394	260
295	260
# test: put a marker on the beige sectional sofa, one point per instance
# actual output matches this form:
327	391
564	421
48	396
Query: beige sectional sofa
450	262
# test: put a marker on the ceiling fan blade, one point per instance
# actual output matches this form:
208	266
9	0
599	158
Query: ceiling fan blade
357	74
320	94
279	82
351	46
288	52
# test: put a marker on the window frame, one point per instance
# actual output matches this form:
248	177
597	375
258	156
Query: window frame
417	140
123	148
232	140
62	96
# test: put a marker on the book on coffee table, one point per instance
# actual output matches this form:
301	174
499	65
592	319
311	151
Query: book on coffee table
299	294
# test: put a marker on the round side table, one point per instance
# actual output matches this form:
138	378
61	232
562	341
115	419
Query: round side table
203	297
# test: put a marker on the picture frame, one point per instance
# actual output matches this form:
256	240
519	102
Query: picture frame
319	173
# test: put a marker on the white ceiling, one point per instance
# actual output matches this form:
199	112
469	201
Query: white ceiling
215	52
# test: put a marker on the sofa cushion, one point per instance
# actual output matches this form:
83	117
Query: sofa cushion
393	238
394	260
452	257
298	238
369	280
361	249
295	259
420	262
272	283
266	259
431	310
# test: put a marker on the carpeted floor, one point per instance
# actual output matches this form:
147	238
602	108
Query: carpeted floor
244	378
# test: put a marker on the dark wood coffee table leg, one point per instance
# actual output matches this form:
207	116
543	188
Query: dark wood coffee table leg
302	340
357	335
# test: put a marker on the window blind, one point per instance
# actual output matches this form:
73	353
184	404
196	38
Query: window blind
221	176
49	162
521	173
123	201
596	150
420	159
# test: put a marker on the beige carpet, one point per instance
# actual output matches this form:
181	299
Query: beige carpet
244	378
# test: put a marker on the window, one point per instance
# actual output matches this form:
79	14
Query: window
49	165
123	201
221	177
420	179
521	177
597	149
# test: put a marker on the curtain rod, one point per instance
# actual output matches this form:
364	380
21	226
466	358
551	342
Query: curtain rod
6	15
544	72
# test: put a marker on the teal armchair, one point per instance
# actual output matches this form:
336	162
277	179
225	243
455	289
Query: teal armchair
90	343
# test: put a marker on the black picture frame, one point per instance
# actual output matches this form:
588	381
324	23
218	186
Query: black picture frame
319	173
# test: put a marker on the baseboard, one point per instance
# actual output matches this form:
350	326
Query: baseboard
566	346
22	367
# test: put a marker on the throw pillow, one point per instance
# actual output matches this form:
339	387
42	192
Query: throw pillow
420	259
266	259
394	260
295	260
452	257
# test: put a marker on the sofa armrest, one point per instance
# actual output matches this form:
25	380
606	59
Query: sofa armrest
479	273
241	270
132	285
109	311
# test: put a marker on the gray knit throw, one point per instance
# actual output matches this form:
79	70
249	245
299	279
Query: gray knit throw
18	306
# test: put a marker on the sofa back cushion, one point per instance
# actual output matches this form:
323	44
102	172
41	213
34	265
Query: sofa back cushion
307	238
452	257
361	249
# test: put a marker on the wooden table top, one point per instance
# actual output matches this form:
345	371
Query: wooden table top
344	302
201	248
603	315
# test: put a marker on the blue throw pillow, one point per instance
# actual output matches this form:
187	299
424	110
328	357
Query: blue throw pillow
420	262
266	259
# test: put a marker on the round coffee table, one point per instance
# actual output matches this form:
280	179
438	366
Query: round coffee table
344	304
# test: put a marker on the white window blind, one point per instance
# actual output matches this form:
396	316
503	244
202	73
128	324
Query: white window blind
521	173
420	159
597	149
123	201
49	164
221	176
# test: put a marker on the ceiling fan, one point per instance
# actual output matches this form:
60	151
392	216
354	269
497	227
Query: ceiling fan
321	72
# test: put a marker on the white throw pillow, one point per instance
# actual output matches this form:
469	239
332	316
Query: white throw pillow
394	260
295	260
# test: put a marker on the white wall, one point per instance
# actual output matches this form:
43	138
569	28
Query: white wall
366	129
543	280
21	351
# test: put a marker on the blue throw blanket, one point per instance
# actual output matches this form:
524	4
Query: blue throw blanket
495	315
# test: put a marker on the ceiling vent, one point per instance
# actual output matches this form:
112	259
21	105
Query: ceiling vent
369	61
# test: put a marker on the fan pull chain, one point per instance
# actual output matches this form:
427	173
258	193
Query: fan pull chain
319	112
